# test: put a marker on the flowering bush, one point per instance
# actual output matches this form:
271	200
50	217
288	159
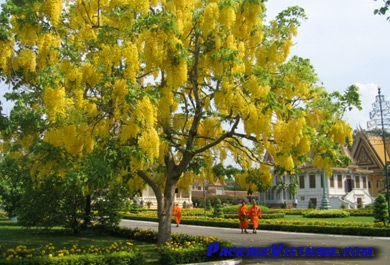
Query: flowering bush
123	249
183	248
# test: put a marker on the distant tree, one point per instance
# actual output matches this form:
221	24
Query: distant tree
380	209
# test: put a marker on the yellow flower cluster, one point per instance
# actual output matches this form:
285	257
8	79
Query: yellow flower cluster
90	75
26	61
210	18
227	16
6	53
47	46
340	131
149	142
75	139
53	10
167	104
154	48
130	54
288	134
55	101
177	74
256	122
136	183
49	250
26	33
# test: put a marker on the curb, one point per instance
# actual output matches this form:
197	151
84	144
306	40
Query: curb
218	262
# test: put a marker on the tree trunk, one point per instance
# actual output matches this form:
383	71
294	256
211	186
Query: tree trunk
165	207
164	204
87	218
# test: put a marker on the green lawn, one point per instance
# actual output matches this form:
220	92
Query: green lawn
12	236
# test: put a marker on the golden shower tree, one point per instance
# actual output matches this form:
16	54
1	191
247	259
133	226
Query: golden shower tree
167	88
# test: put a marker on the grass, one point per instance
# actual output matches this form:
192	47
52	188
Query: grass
12	235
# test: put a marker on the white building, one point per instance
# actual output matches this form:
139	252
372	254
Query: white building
347	186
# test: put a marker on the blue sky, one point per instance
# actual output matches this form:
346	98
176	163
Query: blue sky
346	43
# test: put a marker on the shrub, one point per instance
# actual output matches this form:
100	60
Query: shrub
208	205
326	214
380	209
218	212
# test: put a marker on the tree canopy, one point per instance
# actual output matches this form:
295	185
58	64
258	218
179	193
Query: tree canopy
160	91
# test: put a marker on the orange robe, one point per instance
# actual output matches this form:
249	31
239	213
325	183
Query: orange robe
243	214
255	213
177	214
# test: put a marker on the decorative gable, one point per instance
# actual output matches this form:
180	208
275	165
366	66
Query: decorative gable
363	158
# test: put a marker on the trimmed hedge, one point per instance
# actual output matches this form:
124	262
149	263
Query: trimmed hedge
264	215
326	214
290	226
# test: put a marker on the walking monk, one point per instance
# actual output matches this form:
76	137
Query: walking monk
243	216
255	213
177	214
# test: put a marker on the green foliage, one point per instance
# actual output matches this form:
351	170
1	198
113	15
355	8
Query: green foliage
65	204
380	209
383	10
208	205
218	212
11	189
326	214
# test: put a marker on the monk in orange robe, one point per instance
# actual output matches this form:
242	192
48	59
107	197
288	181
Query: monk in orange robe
255	213
243	216
177	214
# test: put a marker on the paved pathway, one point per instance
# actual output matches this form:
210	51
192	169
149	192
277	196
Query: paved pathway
263	238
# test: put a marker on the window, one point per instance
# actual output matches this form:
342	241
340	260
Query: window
302	198
332	182
270	195
357	180
349	184
312	181
339	181
301	182
364	180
